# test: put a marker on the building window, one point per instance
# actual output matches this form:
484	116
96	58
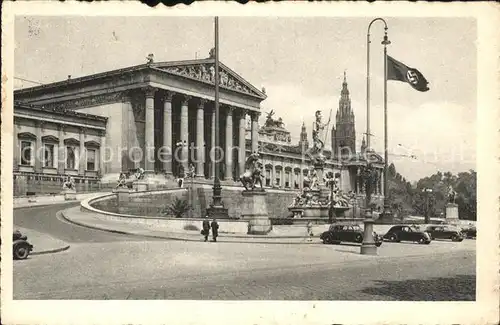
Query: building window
70	158
287	179
268	177
48	158
90	159
278	178
27	153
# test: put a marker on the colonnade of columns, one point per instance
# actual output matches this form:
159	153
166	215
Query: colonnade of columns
227	112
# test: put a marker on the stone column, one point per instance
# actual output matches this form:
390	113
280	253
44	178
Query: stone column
149	139
102	154
61	157
255	131
241	144
301	178
228	152
382	184
167	133
39	150
200	139
212	145
82	154
184	132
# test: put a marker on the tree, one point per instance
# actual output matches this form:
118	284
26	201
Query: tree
177	208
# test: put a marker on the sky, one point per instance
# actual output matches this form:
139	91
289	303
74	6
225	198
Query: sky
300	62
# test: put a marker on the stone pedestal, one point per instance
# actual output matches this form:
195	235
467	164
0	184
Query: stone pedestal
451	211
217	212
69	195
255	210
140	186
368	246
122	195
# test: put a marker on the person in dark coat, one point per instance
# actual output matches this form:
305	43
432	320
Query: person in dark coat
206	228
215	229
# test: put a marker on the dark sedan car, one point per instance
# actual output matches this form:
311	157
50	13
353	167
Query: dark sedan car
346	233
445	232
469	232
407	233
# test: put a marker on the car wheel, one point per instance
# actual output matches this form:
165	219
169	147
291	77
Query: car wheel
326	241
393	238
422	241
359	238
21	251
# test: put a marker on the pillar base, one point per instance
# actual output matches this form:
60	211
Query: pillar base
368	249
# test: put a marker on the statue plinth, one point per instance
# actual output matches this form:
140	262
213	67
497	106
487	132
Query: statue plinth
69	194
122	196
254	209
451	211
218	212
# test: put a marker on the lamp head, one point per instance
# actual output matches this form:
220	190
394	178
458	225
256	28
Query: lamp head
386	40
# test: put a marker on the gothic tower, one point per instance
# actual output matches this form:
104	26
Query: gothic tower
344	132
303	143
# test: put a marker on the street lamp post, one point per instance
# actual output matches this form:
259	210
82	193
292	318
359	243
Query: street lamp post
216	209
369	177
385	42
427	192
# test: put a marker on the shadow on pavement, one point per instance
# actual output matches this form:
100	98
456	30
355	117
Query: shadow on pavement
459	287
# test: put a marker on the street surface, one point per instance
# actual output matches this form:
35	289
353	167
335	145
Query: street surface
102	265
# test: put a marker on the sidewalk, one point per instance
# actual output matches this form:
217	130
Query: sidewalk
26	202
87	219
42	243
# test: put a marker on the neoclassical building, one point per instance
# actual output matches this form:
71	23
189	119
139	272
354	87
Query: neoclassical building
94	127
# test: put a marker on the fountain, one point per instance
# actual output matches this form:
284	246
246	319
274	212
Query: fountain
319	194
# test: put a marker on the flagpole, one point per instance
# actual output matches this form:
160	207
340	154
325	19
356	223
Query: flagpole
385	42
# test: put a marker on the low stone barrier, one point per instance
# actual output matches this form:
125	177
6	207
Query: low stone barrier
163	223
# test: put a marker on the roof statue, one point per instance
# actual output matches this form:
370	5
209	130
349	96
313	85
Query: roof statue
150	58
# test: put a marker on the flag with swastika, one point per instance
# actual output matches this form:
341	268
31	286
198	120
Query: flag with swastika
401	72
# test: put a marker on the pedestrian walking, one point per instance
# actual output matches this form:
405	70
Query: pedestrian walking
205	231
215	229
309	231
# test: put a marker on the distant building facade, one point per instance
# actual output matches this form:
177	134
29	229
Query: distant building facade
94	127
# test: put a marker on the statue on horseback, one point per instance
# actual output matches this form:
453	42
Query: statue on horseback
253	174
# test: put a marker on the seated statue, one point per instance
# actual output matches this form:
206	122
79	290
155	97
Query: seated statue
139	173
69	184
122	181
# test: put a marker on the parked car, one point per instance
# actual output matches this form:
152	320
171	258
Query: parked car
407	233
445	232
469	232
346	233
21	247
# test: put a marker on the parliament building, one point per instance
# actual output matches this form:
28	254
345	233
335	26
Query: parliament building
92	128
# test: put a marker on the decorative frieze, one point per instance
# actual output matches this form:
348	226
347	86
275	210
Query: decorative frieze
94	100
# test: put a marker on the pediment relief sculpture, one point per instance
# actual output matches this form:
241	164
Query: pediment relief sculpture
206	73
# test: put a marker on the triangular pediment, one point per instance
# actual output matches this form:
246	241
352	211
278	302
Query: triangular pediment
204	71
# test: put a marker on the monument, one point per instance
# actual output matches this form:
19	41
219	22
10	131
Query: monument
451	206
254	207
69	189
320	193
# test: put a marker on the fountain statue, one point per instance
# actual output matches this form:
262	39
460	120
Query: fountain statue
320	192
254	207
69	189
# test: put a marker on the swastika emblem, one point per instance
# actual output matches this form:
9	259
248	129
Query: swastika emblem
412	77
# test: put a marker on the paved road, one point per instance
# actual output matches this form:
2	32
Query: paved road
191	270
44	219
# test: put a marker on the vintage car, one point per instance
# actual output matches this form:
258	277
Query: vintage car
21	247
346	233
469	232
407	233
445	232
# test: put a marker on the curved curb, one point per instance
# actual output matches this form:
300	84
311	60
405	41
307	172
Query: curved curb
65	217
50	251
